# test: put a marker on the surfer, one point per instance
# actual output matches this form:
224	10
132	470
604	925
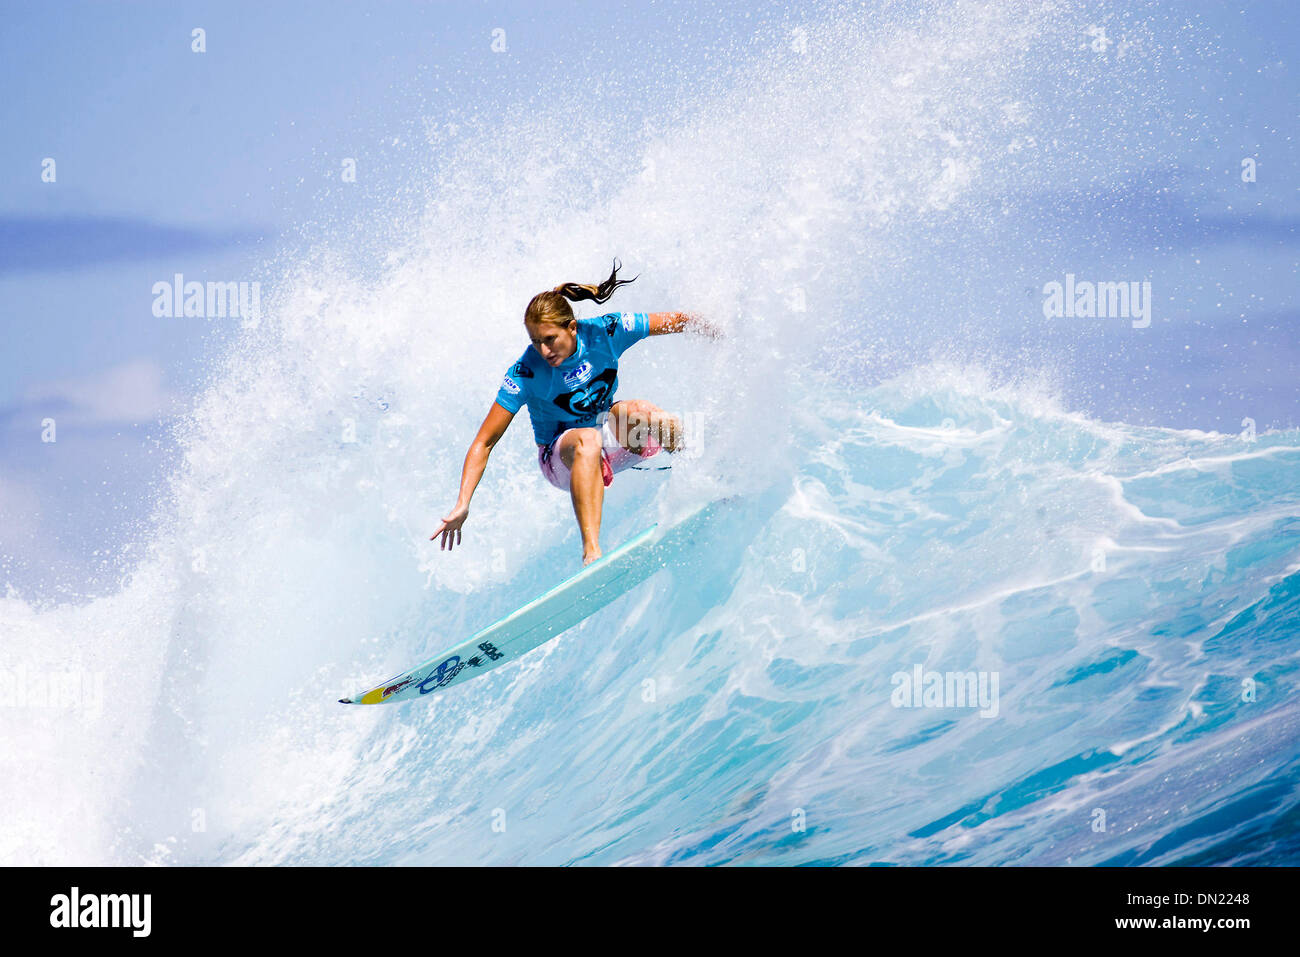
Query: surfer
567	378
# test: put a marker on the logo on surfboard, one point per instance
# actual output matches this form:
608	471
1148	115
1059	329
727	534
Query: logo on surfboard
393	689
443	673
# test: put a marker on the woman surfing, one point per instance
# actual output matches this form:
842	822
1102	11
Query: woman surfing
567	378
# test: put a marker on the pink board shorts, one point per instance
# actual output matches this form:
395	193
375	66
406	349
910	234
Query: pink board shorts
613	458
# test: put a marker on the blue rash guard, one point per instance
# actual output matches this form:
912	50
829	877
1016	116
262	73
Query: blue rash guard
579	391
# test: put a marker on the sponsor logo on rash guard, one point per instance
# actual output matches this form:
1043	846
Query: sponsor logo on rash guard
521	370
589	399
510	385
578	375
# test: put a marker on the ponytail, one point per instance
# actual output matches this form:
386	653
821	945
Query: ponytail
553	305
576	292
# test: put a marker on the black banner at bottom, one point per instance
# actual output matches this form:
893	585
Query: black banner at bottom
365	906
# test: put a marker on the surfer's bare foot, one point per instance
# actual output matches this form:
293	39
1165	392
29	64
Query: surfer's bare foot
590	556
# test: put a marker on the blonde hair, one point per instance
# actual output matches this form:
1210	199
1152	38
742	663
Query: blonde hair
553	306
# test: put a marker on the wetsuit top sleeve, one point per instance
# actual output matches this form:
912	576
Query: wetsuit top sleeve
514	387
625	329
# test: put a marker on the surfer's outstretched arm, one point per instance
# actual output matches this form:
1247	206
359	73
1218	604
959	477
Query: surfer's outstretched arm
489	433
664	323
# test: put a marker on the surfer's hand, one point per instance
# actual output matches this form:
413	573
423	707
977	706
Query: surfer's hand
450	527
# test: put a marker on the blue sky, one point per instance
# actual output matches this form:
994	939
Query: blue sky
213	164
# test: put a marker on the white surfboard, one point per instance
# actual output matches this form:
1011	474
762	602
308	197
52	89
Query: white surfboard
544	617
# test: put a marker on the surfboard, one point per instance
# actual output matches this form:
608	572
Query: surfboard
546	616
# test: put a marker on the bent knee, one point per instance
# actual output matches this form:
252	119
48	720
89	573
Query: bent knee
582	444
